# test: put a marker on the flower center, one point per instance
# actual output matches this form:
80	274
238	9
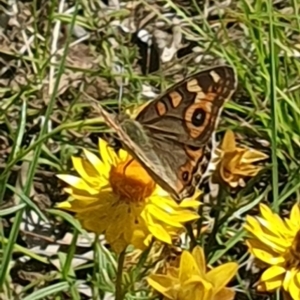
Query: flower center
293	253
129	180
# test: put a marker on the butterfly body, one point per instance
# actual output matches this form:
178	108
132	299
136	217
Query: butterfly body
169	135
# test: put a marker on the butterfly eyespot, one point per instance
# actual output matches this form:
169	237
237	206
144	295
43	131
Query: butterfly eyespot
198	117
185	175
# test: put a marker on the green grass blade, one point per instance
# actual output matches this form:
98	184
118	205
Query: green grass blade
273	99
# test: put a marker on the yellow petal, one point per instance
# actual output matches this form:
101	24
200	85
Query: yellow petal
272	272
194	280
188	266
187	203
227	176
120	223
273	219
228	143
108	155
294	288
90	219
173	272
140	239
78	183
224	294
204	292
147	241
162	200
183	216
163	284
82	195
168	211
263	253
160	233
252	155
119	245
272	284
246	171
233	160
123	155
222	274
201	289
97	164
74	206
154	213
278	244
199	257
89	173
287	279
64	205
295	215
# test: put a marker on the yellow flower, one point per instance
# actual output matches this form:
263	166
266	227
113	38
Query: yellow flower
116	196
191	281
276	243
237	163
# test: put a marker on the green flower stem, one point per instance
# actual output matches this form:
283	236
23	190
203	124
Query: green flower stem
119	292
212	238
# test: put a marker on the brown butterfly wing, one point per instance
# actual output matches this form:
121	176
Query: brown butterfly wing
179	124
170	134
188	112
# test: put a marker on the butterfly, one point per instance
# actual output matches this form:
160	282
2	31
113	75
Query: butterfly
169	135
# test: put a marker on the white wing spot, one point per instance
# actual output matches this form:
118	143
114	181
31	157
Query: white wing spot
216	78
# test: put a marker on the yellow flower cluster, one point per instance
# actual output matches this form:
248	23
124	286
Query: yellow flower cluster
116	197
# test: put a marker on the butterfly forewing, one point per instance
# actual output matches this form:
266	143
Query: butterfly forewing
188	111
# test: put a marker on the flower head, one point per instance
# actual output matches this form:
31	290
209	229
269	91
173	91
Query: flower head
237	163
191	281
117	197
276	243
